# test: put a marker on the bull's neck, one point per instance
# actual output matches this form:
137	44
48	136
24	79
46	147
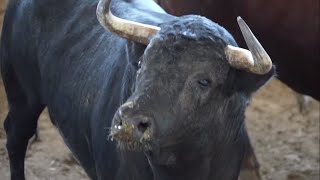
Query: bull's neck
206	168
190	170
223	164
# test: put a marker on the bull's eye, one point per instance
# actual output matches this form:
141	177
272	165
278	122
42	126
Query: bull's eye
204	83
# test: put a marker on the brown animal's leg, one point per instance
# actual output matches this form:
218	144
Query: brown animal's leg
303	103
250	165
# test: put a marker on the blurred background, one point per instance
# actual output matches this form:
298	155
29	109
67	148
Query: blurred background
3	4
283	126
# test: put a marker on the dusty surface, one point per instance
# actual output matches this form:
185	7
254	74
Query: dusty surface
286	141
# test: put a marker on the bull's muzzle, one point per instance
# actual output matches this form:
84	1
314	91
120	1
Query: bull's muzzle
129	127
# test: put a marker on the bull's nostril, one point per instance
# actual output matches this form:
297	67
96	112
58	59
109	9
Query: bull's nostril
143	126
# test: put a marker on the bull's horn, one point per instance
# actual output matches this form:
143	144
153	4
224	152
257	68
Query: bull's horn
256	60
131	30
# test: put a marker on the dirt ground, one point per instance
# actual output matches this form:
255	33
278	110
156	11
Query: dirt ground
286	141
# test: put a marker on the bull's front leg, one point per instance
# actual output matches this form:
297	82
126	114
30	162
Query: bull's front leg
20	126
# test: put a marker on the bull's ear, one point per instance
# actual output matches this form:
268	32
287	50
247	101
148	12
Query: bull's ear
248	83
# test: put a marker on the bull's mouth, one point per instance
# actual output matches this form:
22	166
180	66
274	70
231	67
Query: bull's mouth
134	146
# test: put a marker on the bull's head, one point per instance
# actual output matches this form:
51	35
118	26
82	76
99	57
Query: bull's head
192	88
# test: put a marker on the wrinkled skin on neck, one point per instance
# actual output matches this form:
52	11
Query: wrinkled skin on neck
194	103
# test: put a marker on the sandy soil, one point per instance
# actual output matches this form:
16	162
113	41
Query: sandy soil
286	140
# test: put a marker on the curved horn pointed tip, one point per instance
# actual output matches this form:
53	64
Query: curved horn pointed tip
242	24
239	18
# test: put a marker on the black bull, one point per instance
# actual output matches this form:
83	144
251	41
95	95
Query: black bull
188	103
